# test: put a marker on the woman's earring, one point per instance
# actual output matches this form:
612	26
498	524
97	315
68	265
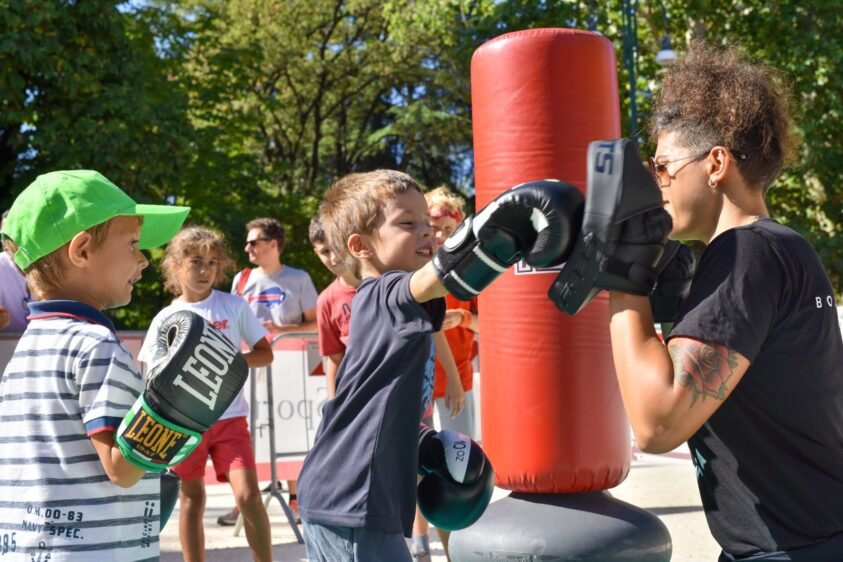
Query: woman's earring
711	184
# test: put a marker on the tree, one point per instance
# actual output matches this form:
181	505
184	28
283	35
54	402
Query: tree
305	93
246	108
83	87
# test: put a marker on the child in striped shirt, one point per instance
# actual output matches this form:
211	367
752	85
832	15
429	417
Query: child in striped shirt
66	492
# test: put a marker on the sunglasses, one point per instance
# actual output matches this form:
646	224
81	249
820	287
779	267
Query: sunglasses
663	177
250	243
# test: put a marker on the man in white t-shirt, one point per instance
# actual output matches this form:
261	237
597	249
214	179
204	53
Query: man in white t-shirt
281	296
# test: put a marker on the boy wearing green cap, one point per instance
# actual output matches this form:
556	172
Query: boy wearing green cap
66	491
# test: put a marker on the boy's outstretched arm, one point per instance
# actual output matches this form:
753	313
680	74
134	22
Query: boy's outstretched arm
535	221
425	284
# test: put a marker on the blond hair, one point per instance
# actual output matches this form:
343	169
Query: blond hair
355	205
44	275
189	241
446	200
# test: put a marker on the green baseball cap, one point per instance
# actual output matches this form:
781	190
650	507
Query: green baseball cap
59	205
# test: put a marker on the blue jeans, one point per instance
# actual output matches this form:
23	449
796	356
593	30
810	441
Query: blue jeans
327	543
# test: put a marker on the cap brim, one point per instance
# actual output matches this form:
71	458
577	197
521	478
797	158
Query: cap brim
160	223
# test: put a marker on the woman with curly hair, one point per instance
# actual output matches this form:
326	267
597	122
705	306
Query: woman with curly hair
751	373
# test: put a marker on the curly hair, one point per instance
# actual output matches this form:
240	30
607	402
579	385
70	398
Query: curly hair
187	242
716	96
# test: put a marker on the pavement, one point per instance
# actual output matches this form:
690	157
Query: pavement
665	485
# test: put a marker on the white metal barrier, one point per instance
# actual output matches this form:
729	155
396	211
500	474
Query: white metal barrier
297	401
293	397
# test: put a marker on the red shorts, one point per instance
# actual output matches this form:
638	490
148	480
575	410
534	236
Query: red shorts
229	445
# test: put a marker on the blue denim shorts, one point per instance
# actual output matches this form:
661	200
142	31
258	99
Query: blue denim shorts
327	543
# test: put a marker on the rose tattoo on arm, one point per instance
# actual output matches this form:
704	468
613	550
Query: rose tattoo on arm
703	368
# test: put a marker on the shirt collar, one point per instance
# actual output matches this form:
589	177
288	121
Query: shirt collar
69	309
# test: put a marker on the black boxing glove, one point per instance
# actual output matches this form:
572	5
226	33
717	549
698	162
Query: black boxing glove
675	273
457	479
170	486
534	221
195	374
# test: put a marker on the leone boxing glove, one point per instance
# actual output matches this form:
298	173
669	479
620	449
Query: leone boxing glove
534	221
194	375
457	479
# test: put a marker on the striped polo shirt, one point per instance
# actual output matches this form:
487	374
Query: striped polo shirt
69	378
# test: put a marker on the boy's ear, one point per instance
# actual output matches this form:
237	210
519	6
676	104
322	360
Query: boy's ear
358	247
79	249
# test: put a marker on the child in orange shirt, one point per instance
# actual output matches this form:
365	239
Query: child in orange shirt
447	210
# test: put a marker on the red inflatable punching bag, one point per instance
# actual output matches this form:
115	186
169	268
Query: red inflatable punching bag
553	420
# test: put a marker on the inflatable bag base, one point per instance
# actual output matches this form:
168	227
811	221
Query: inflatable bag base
588	527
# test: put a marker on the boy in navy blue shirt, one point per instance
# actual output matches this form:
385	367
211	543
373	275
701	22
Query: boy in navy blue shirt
367	444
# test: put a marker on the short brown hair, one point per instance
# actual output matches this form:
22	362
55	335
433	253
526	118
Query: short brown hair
271	229
44	275
355	205
188	241
716	96
315	231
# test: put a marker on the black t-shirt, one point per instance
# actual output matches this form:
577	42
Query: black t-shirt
361	471
770	460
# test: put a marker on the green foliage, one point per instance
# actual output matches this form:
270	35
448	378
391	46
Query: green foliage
304	93
82	87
